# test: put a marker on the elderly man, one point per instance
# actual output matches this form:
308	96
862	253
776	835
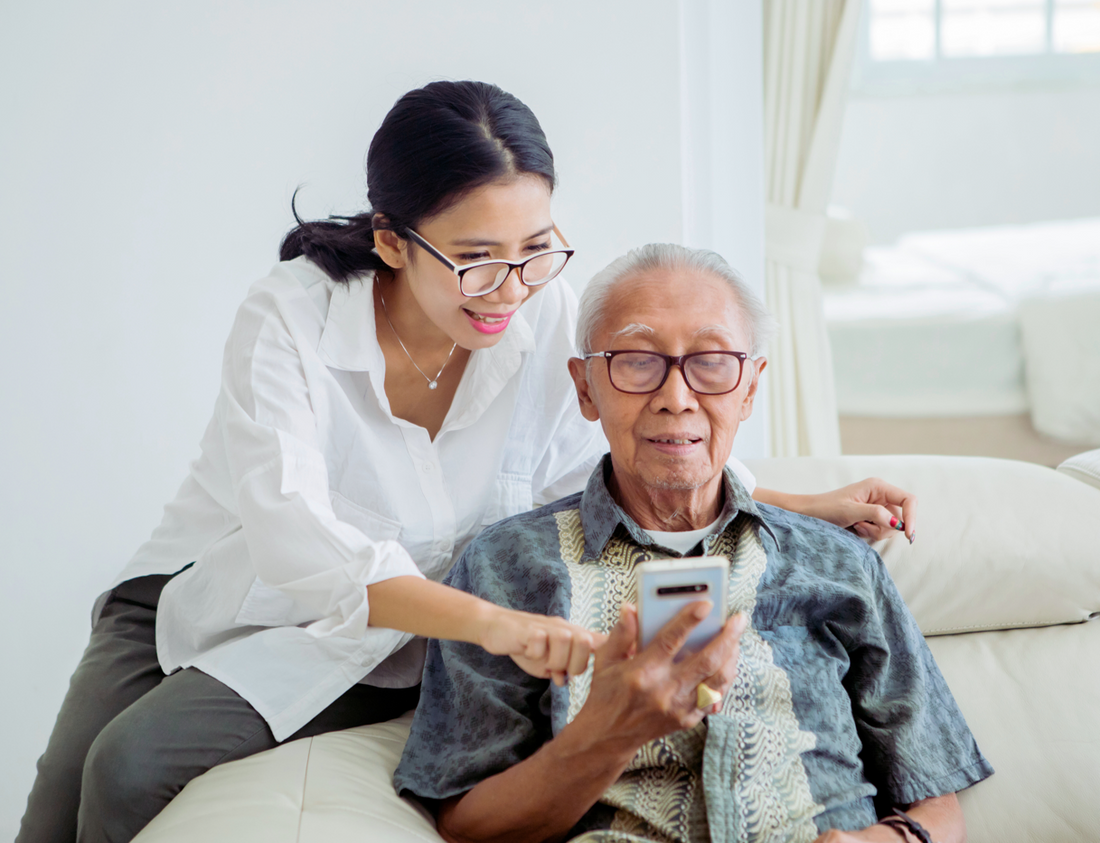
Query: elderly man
831	710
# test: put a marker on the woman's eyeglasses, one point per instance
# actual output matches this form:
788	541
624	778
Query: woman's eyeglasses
482	277
705	372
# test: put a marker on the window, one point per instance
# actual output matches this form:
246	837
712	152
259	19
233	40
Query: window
910	45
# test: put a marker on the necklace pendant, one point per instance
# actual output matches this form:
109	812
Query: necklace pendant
433	384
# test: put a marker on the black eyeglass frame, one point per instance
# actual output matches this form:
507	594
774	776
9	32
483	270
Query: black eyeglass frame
670	361
461	269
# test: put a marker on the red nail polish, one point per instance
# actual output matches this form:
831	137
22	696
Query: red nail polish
893	522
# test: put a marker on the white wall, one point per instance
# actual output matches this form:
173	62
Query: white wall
955	160
149	152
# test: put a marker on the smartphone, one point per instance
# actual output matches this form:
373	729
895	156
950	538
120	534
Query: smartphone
665	586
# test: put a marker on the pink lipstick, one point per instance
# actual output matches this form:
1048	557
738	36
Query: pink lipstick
489	323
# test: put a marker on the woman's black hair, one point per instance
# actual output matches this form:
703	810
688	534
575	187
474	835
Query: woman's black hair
434	146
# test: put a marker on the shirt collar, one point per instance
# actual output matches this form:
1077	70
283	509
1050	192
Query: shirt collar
349	341
601	515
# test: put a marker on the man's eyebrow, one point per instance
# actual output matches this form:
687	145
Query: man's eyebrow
634	328
474	241
714	329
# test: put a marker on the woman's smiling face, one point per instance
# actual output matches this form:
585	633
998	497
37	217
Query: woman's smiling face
505	219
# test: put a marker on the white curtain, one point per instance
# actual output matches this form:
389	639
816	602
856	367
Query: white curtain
808	50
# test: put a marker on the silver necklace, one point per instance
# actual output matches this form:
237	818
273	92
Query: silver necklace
432	382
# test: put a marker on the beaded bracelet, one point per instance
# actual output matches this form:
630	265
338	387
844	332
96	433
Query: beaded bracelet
902	820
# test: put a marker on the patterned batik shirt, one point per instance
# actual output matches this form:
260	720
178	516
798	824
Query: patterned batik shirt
838	706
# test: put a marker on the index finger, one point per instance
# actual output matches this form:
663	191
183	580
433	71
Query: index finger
674	634
909	517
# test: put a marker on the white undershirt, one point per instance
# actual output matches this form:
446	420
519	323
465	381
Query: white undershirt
683	540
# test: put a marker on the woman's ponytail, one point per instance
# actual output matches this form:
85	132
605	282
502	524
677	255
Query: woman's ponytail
341	246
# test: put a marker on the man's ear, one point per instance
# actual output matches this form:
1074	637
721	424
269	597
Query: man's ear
758	366
578	370
394	250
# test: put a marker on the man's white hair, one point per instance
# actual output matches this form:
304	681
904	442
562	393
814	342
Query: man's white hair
758	324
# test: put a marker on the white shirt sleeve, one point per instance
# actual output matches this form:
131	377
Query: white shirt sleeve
277	468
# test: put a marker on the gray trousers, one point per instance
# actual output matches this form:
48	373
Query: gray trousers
128	738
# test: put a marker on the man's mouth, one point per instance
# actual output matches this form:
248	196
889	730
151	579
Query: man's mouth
690	441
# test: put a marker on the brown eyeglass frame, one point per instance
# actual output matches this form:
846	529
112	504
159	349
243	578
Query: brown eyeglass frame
670	361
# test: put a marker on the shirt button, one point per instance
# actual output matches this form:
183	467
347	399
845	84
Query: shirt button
427	467
446	545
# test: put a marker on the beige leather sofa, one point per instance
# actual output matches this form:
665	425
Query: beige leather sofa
1004	579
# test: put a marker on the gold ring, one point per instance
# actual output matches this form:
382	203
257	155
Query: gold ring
706	696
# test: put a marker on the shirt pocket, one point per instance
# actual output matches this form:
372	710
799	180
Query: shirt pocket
373	525
511	496
268	606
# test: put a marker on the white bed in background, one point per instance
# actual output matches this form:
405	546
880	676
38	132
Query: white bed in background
991	321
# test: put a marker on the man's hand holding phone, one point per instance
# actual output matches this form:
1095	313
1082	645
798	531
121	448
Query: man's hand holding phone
638	695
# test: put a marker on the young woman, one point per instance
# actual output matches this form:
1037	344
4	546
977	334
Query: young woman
383	397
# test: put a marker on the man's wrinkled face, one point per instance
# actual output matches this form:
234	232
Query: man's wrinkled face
674	438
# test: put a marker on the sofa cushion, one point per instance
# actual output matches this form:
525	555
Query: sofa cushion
1000	544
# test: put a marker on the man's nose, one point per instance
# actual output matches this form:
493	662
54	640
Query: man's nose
674	395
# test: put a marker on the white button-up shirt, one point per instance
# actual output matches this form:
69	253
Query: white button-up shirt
308	489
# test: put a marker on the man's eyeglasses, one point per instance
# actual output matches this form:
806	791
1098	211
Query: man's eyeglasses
482	277
705	372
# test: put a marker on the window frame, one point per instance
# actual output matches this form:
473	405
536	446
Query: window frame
902	77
